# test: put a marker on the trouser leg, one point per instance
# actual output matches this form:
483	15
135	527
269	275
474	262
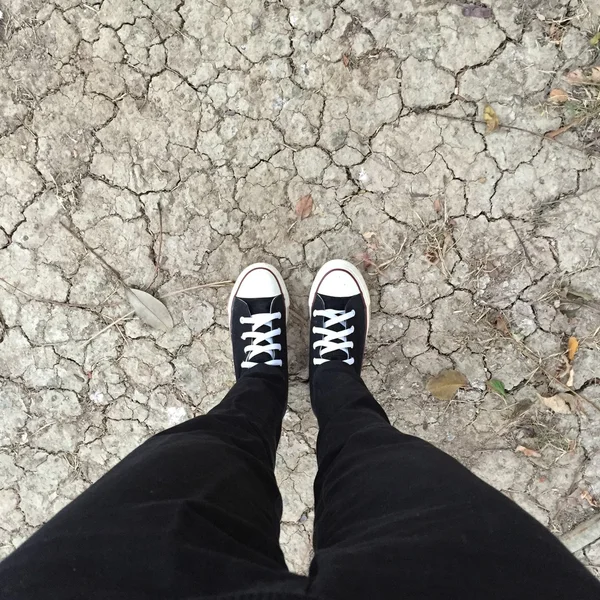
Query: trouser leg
194	511
397	518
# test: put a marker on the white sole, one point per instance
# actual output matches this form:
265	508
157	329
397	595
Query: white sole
252	267
341	265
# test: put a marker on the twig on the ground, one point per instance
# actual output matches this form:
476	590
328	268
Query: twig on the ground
528	351
527	256
584	534
512	127
159	251
214	284
386	263
110	269
109	326
46	300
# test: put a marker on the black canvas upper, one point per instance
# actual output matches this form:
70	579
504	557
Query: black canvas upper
246	307
358	336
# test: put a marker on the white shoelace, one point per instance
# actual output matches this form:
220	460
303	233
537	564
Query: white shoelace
261	341
329	343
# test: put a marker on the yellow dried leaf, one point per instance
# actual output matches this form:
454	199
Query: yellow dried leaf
444	385
491	118
572	346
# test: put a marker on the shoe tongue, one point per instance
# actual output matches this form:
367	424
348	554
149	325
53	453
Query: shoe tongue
258	305
336	303
261	306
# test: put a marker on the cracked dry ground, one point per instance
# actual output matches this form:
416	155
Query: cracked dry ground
224	114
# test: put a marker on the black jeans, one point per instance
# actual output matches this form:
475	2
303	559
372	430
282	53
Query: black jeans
194	513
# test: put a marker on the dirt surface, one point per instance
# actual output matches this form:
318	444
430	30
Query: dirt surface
182	133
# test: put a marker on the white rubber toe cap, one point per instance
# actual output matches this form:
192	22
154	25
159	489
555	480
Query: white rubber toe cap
339	283
259	283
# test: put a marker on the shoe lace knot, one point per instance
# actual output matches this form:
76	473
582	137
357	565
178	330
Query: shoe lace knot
262	337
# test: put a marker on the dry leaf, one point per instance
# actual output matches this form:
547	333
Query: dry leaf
558	96
585	495
572	346
571	379
501	324
491	118
437	205
150	310
581	77
561	130
444	385
560	403
304	207
528	451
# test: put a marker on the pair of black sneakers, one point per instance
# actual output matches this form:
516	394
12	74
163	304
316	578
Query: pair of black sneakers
339	317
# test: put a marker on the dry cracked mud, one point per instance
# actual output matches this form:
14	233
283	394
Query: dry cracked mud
187	131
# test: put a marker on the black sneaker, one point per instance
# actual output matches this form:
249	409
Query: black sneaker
339	306
258	308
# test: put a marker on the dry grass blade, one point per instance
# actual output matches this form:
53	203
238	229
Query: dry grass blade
110	269
46	300
115	322
214	284
511	128
160	245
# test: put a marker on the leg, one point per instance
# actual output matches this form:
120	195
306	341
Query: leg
396	517
194	511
